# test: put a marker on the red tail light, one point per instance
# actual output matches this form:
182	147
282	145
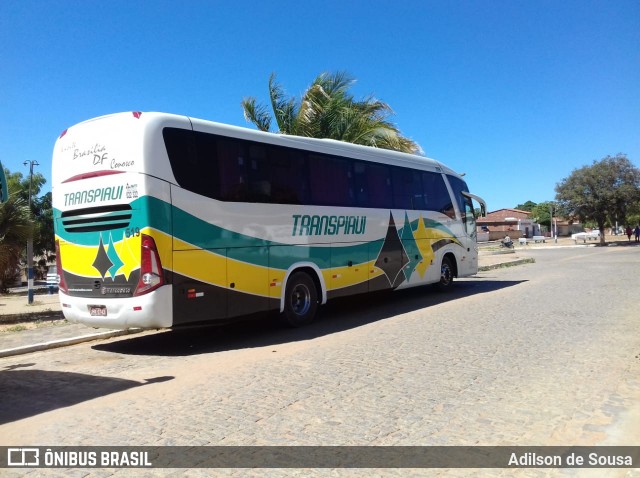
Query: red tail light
151	276
62	284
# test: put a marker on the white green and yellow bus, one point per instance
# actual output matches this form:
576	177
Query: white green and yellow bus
164	220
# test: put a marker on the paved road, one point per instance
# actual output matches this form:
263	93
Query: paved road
540	354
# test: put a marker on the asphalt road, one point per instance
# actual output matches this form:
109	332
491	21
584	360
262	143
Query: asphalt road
540	354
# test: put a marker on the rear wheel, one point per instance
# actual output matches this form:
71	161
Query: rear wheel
300	300
446	275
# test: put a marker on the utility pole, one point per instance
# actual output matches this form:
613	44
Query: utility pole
554	234
30	240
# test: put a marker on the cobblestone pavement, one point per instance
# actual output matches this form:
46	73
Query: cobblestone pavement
541	354
45	328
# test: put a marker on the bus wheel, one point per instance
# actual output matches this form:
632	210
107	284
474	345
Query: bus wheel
446	275
300	300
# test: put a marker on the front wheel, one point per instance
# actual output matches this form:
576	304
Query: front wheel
300	300
446	275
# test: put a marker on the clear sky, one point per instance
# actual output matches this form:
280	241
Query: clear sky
516	94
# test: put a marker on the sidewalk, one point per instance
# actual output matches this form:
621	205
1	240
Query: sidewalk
41	326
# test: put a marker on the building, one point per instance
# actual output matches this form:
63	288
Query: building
514	222
518	223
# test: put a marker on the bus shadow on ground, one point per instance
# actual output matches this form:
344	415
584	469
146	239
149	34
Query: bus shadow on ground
337	316
26	393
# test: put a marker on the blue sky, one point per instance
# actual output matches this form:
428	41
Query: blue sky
516	94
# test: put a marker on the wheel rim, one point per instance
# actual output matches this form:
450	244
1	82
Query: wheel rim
445	274
300	299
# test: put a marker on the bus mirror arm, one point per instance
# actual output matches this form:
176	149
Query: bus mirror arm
482	202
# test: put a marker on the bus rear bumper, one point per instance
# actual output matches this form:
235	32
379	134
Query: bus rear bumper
149	311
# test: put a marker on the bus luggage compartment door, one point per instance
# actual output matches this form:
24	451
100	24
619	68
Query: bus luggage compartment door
199	278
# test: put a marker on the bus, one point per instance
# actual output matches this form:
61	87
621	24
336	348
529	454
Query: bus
164	220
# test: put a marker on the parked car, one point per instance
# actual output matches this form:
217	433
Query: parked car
585	236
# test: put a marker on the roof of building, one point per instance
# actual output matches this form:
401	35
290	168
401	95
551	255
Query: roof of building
504	215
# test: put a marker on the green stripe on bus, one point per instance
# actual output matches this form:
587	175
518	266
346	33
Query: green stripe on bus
149	211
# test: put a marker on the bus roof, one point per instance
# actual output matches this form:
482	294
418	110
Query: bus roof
324	145
132	126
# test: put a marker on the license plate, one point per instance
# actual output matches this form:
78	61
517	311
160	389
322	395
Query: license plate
98	310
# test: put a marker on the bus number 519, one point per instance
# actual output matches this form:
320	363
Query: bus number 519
132	232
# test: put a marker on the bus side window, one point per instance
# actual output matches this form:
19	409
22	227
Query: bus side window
181	149
436	194
331	181
360	182
289	176
258	174
372	185
233	172
407	189
205	175
401	182
417	191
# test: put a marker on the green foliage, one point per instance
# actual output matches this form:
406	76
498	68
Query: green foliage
15	228
543	212
19	184
634	215
605	192
528	206
4	193
44	236
41	208
17	222
328	110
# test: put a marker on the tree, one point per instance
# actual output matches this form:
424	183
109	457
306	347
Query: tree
633	216
19	185
328	110
528	206
13	216
15	228
44	236
542	213
605	192
41	209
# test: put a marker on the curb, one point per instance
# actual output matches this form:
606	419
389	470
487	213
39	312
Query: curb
65	342
31	316
517	262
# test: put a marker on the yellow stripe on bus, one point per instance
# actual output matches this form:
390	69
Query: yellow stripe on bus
213	267
78	260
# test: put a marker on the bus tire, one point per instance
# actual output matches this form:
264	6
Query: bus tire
446	275
300	300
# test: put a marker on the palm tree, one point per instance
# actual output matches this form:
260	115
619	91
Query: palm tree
328	110
15	228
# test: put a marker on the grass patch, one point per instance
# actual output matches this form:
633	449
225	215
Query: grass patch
35	302
16	328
